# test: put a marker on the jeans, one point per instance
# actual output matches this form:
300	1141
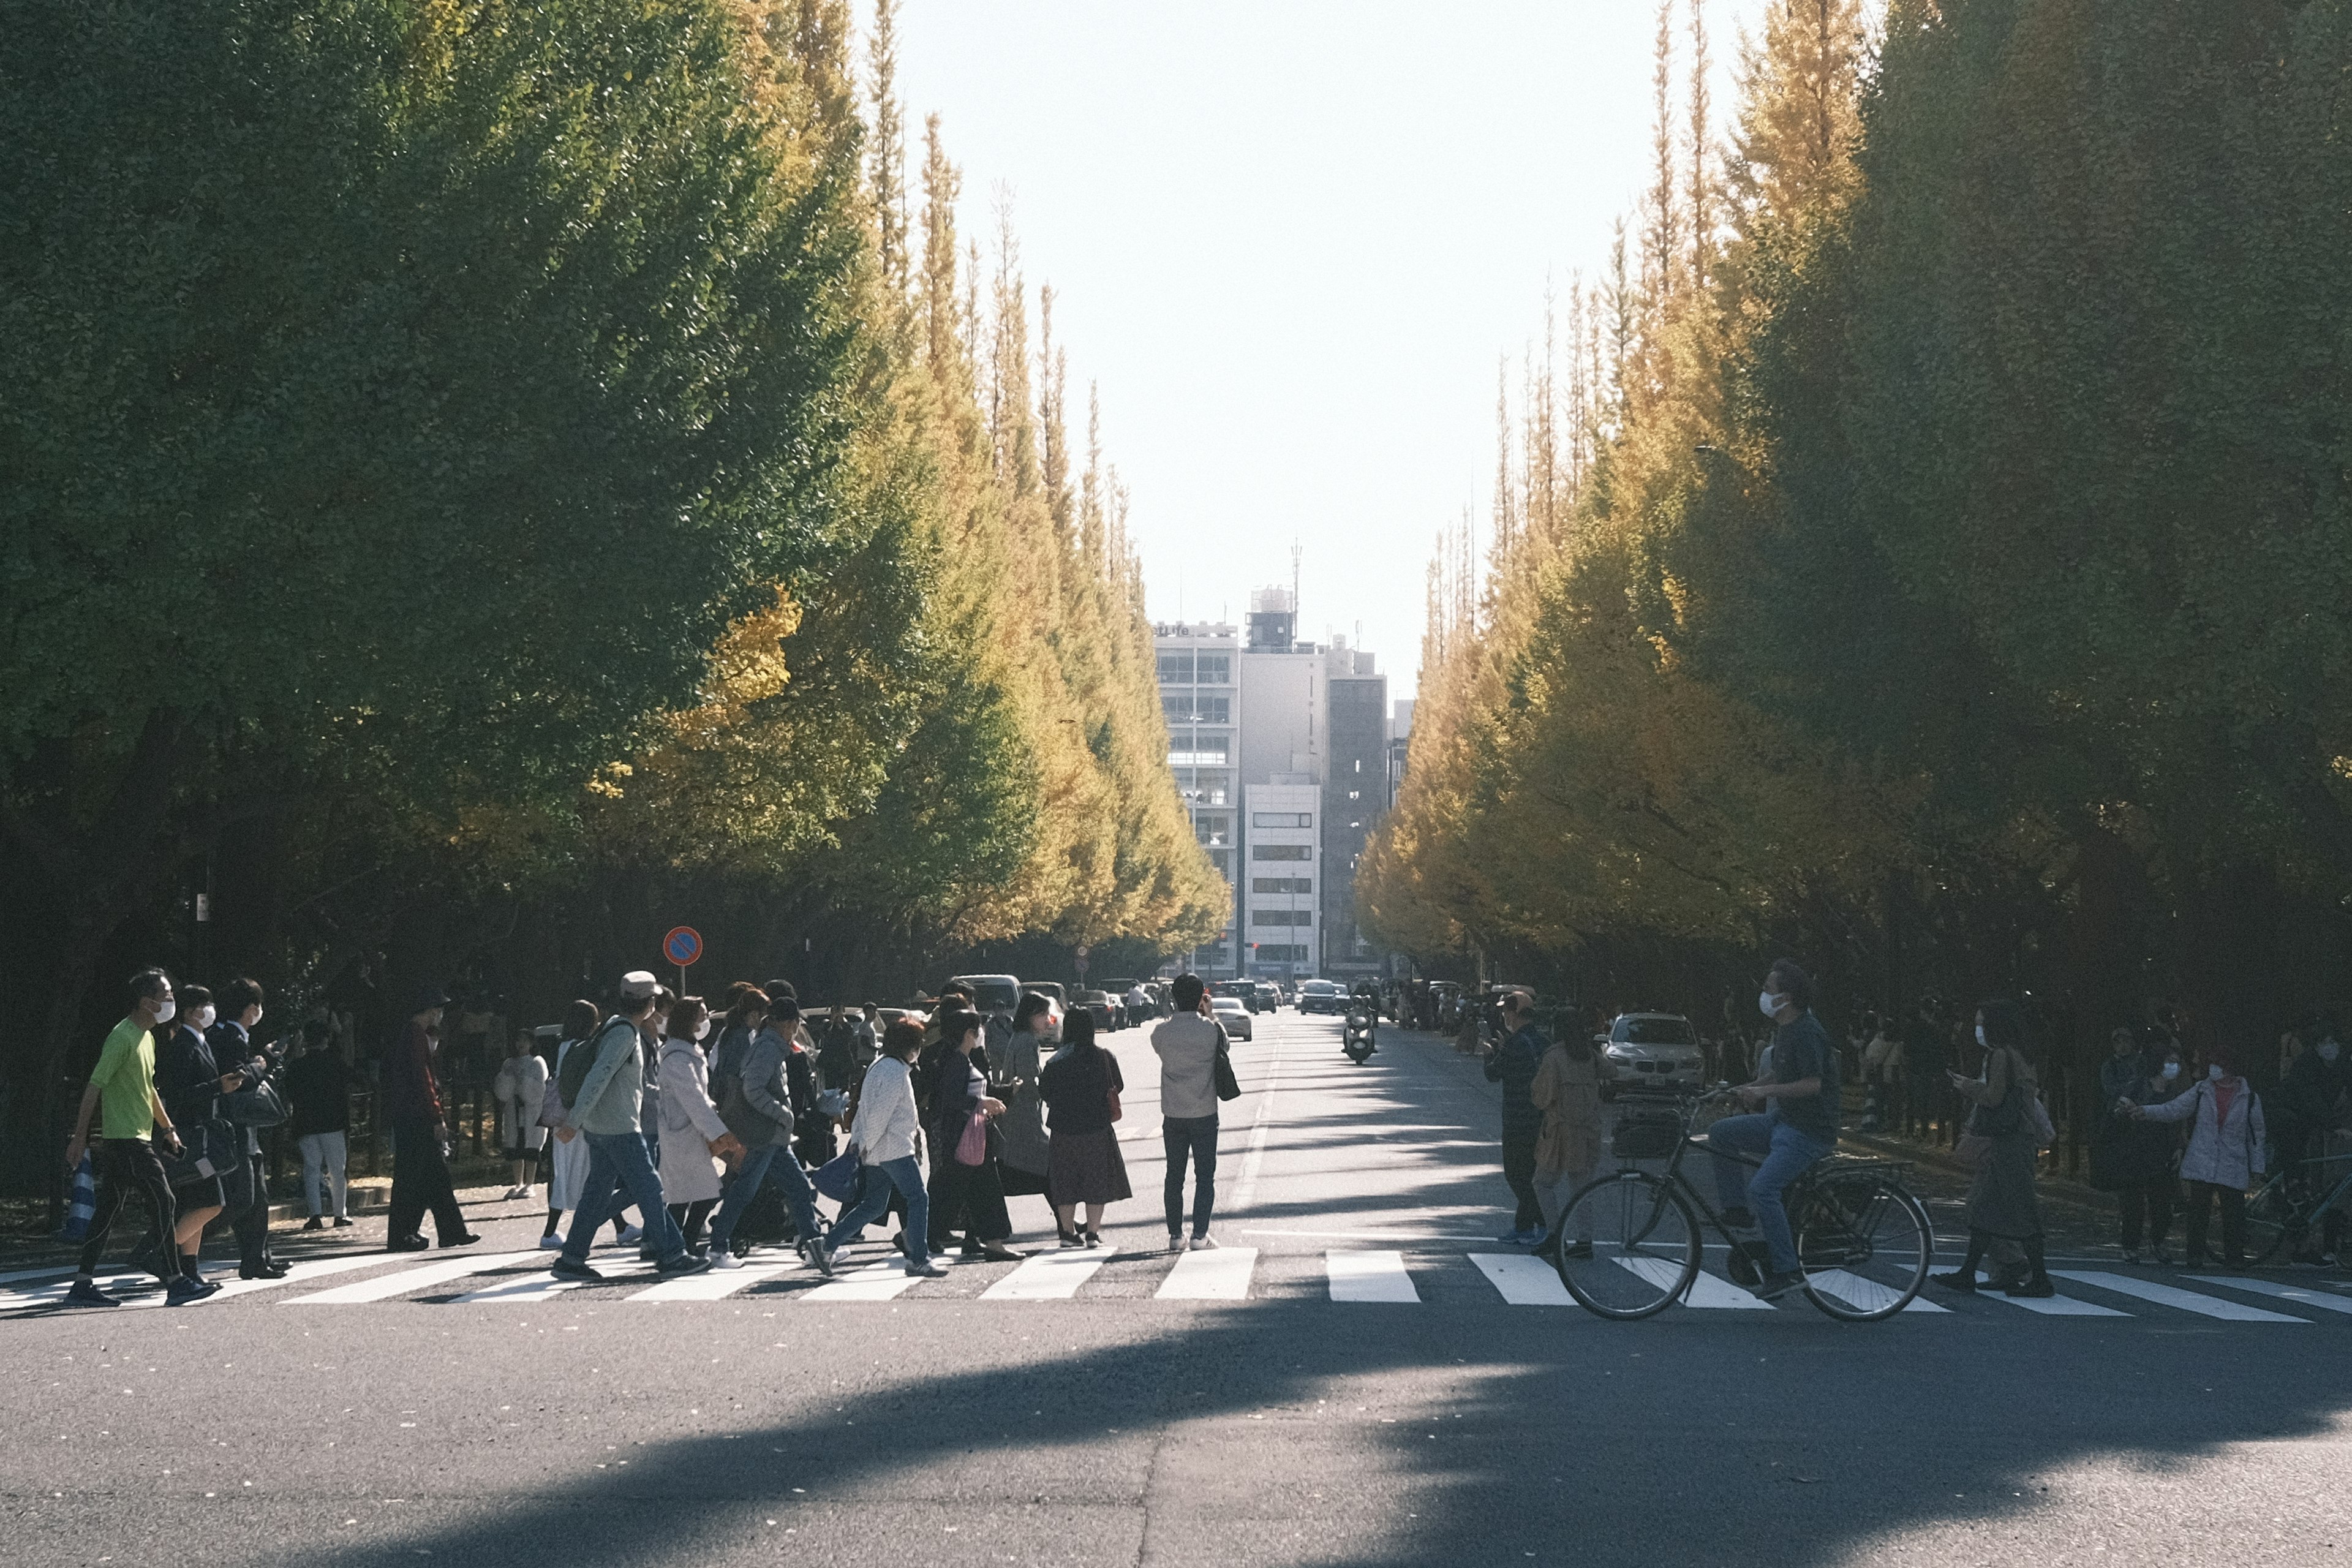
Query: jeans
122	1163
420	1180
322	1171
1520	1174
1786	1154
1194	1137
904	1178
618	1162
774	1163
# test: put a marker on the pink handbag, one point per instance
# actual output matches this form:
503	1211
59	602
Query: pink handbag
971	1149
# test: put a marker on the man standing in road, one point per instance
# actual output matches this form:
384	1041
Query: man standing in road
1188	1044
248	1191
1799	1087
123	1085
1512	1062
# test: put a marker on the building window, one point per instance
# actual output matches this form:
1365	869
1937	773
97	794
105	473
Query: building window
1213	669
1281	819
1214	829
1282	884
1176	667
1282	917
1279	953
1204	753
1282	852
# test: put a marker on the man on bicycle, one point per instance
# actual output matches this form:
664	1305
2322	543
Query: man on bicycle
1799	1086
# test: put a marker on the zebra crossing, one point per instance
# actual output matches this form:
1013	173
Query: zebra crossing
1350	1277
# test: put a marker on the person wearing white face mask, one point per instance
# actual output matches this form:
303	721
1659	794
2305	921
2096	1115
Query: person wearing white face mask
121	1091
2134	1158
1800	1086
2002	1202
694	1136
2225	1154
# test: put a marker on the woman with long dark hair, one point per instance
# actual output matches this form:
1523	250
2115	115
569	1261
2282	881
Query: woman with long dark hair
2002	1205
1082	1086
1567	1090
967	1194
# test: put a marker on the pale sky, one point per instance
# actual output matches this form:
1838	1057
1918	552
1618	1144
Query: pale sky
1291	241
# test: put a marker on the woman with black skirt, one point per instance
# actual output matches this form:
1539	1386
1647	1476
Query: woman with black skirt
964	1196
1082	1085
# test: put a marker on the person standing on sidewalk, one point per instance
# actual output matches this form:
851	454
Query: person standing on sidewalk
412	1104
2138	1155
1082	1086
121	1089
1512	1062
1187	1045
606	1111
520	1090
1567	1090
884	1135
319	1085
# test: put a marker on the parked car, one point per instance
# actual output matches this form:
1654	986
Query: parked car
992	993
1322	997
1654	1050
1269	996
1109	1015
1234	1015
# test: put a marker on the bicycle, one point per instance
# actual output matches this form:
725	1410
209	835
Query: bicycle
1629	1243
2283	1209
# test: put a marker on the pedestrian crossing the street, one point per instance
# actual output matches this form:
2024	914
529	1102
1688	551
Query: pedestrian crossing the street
1356	1277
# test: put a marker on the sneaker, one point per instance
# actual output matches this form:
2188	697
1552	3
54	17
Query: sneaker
2035	1289
550	1242
1203	1243
342	1222
630	1233
820	1255
1958	1279
684	1263
406	1244
566	1269
1094	1238
1175	1241
528	1189
926	1270
1070	1238
998	1252
86	1293
723	1259
315	1223
1774	1286
513	1192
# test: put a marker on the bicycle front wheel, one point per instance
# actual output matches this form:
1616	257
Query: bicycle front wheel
1865	1246
1628	1244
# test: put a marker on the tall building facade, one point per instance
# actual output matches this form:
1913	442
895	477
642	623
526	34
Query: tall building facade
1280	749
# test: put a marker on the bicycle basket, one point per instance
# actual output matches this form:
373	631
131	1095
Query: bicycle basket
1646	1135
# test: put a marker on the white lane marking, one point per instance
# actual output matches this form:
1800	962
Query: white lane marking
1221	1275
712	1284
62	1272
539	1287
1261	1128
1867	1295
1047	1277
1706	1292
44	1295
1523	1281
2277	1291
1364	1235
384	1287
876	1282
1369	1277
2173	1295
2052	1306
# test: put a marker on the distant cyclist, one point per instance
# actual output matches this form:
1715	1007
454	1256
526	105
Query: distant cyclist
1798	1084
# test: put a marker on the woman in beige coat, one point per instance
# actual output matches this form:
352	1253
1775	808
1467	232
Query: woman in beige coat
1567	1090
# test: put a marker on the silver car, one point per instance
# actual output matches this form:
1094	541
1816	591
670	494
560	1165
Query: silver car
1654	1050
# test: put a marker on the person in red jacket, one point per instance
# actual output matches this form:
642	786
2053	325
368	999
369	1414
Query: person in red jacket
411	1108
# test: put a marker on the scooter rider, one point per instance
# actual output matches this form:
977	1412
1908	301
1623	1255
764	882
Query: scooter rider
1363	1018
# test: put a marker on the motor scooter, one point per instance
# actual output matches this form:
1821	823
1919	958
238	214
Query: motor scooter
1356	1038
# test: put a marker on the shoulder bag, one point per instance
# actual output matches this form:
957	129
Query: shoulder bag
257	1104
1228	1086
208	1149
841	1178
971	1149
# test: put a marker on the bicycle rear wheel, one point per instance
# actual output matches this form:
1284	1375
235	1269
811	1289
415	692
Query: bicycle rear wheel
2270	1222
1628	1244
1865	1246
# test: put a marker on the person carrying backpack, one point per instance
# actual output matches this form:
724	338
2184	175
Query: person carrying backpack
604	1104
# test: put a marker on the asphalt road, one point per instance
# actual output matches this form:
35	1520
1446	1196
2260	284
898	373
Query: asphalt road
484	1419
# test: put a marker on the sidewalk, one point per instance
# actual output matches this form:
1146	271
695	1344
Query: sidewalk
368	1199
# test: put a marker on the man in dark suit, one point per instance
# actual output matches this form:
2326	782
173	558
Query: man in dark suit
247	1187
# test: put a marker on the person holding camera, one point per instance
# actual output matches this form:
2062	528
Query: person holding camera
246	1188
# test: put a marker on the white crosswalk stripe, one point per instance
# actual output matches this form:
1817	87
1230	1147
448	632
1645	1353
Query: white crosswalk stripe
1047	1277
2053	1306
1523	1281
2279	1291
1222	1274
1372	1276
384	1287
2173	1295
1868	1295
877	1282
716	1285
1706	1292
